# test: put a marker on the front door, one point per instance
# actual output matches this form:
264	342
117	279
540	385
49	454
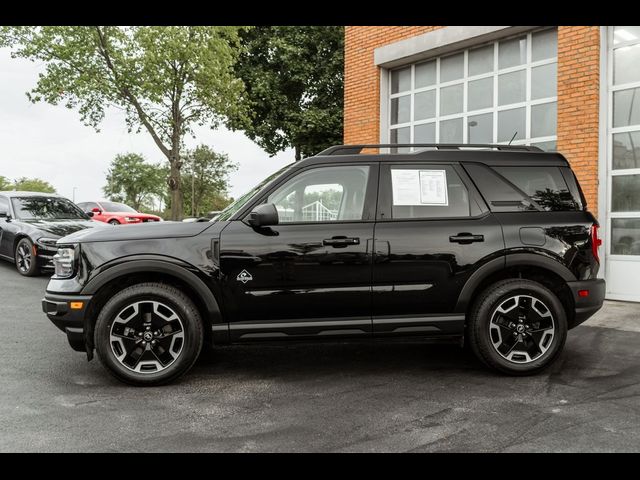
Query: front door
433	229
311	274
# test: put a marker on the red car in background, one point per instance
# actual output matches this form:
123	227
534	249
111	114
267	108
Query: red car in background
116	213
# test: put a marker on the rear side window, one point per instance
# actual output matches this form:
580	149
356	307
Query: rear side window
544	185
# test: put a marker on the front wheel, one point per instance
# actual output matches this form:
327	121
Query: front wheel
113	222
25	258
149	334
517	327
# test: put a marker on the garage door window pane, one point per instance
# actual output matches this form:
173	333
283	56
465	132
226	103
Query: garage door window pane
546	146
480	94
544	119
452	68
512	87
544	45
425	105
626	107
625	193
400	135
625	34
510	122
451	131
481	60
512	52
626	150
625	236
425	74
544	82
425	133
400	109
626	61
451	100
480	128
401	80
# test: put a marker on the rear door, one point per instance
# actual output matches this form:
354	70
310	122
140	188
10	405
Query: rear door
433	230
6	239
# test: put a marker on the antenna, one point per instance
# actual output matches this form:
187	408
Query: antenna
514	136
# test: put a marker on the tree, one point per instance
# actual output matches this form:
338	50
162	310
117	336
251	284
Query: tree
294	81
206	180
166	79
33	185
5	184
131	180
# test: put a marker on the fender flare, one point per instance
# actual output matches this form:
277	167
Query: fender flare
510	260
171	267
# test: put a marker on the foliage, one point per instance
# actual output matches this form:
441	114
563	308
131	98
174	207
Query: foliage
133	181
294	81
206	181
166	79
5	184
33	185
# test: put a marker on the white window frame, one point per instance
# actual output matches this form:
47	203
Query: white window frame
387	96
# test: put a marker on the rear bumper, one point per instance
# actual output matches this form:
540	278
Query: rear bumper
69	320
585	307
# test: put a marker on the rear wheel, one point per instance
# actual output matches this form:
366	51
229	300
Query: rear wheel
114	222
517	327
149	334
26	261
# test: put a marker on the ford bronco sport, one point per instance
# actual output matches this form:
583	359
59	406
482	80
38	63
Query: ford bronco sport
490	244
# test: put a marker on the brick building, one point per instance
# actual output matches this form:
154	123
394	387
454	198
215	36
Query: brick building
566	88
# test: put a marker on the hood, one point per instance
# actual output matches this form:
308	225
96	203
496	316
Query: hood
140	231
61	228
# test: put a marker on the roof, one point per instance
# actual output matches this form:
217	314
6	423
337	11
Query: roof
15	193
495	155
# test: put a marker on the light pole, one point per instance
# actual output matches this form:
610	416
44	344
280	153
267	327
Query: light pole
74	194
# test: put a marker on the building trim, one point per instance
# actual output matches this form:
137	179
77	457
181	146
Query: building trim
603	148
439	42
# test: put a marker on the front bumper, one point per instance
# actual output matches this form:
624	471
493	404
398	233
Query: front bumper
70	320
586	306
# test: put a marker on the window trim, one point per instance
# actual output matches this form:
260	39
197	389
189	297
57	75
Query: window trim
386	96
385	195
370	198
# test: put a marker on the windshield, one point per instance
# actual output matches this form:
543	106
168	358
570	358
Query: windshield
27	208
116	207
228	212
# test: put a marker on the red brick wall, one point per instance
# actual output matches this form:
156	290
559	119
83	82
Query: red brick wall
578	88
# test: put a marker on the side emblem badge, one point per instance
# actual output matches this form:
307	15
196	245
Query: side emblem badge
244	276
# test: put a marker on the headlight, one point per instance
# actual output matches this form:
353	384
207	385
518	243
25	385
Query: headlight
64	262
47	242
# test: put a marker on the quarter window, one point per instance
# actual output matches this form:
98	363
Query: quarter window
325	194
489	94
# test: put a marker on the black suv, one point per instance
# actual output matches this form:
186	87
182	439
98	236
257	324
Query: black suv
489	244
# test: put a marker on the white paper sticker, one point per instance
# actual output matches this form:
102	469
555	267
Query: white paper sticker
419	187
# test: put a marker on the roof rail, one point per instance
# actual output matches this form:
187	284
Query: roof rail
356	149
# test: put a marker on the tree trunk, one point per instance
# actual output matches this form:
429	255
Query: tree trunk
298	156
175	189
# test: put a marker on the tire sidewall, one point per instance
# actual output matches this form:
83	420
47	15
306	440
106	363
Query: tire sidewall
33	269
173	298
481	339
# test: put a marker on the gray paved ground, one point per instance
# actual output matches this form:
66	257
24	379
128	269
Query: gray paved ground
364	397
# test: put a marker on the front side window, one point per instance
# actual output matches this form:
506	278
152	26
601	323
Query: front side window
325	194
50	208
4	205
488	94
427	191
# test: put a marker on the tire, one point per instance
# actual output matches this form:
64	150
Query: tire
113	222
517	327
26	263
124	344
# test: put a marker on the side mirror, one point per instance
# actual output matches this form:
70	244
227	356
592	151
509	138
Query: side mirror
90	214
96	210
264	215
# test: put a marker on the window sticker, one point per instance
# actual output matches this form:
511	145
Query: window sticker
419	187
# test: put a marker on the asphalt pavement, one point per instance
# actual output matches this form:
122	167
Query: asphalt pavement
372	397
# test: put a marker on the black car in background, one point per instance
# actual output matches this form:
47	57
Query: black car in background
492	245
30	225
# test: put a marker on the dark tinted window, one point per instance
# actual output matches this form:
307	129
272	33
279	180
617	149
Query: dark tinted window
46	207
544	185
499	194
427	191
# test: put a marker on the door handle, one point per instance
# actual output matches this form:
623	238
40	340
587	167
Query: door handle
466	238
340	242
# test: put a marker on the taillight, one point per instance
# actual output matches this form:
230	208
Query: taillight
595	242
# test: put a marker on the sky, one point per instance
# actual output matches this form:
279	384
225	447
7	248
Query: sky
51	143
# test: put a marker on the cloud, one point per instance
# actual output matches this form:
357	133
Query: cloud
50	142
